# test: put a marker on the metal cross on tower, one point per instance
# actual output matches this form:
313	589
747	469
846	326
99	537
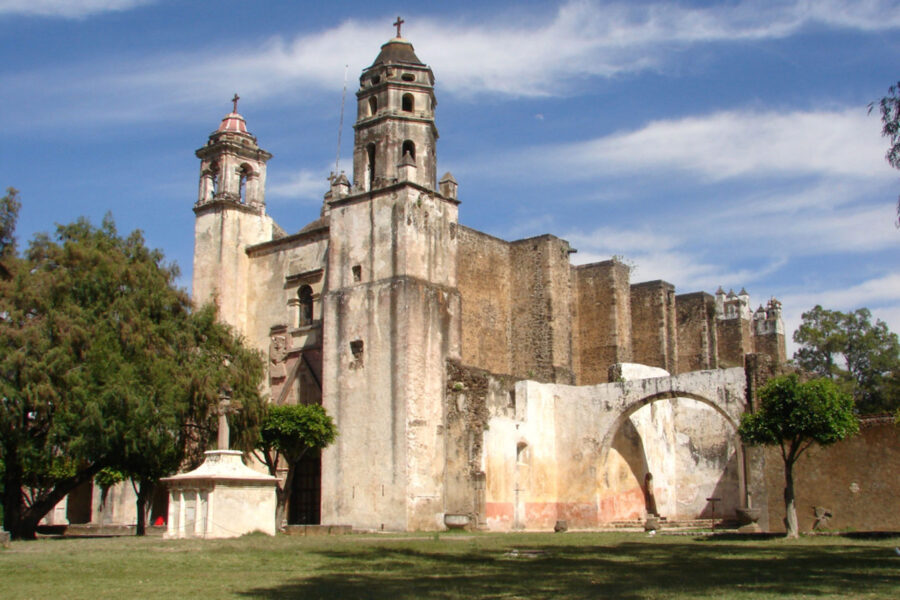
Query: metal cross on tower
398	23
234	101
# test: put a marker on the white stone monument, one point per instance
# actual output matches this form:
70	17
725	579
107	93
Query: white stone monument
221	498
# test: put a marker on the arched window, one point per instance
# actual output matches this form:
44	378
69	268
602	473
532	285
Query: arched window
408	103
244	173
305	295
370	171
213	179
373	105
408	148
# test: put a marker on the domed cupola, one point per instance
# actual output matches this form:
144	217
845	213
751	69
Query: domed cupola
395	131
233	166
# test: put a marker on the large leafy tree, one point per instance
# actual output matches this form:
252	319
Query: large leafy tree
794	415
104	365
889	107
862	357
287	433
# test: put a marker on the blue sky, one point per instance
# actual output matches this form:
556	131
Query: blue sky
709	143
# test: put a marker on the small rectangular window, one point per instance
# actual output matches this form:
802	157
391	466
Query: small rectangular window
357	273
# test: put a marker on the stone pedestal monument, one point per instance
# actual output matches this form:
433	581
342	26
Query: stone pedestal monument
221	498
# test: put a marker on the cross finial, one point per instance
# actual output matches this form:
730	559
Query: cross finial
234	101
398	23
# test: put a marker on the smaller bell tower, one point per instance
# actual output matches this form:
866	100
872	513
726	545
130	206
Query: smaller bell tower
233	166
230	215
395	131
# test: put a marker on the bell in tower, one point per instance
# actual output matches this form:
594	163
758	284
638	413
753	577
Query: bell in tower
395	131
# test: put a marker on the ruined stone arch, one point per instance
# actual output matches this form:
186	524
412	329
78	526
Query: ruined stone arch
632	406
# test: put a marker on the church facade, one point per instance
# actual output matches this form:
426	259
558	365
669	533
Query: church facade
473	380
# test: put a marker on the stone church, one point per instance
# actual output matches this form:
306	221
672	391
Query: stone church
473	380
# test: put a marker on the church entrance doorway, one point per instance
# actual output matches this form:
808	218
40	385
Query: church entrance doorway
306	491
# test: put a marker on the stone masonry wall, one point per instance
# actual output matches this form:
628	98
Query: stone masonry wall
484	287
771	344
653	324
695	315
540	321
733	341
602	328
855	480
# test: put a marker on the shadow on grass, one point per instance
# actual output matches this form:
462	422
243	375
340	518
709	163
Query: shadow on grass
627	570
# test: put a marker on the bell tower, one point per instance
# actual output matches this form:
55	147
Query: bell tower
395	131
391	310
230	215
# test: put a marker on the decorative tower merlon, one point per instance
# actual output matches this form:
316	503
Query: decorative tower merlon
448	186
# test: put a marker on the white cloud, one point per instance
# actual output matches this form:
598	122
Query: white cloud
304	184
663	256
71	9
884	290
738	143
881	295
519	57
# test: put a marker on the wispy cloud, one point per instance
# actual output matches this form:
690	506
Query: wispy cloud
519	57
69	9
655	255
880	294
304	184
729	144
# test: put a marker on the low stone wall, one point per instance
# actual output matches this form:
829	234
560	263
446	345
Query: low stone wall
856	481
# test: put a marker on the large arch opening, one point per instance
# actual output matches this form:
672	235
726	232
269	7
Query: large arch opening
669	454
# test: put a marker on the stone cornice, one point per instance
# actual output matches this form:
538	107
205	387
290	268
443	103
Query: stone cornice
372	194
217	204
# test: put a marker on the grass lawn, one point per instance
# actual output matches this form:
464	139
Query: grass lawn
572	565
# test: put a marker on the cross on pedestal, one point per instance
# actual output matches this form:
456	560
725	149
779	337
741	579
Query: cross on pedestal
398	23
222	441
234	102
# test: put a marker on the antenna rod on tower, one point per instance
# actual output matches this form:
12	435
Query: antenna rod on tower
337	161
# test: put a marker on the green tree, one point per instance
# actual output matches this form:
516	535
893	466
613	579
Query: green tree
287	433
103	365
9	215
863	358
889	107
794	415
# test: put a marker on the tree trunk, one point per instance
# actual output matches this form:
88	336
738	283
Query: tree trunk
143	490
25	527
790	508
285	496
13	504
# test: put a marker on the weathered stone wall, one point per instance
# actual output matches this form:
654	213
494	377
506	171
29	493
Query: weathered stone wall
473	396
391	321
541	321
697	344
561	453
602	328
484	288
278	268
653	330
706	455
222	232
733	341
771	344
856	480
